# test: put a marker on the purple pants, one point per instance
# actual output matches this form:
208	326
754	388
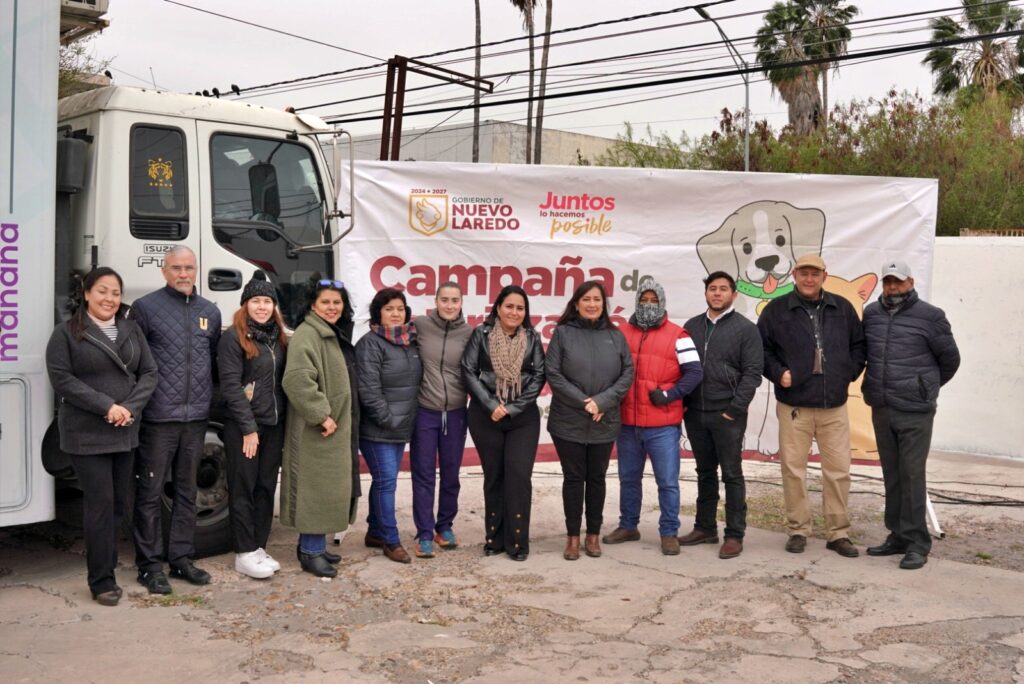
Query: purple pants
438	441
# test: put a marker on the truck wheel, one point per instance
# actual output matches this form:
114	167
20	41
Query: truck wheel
213	519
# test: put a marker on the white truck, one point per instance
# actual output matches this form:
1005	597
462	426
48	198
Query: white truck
116	177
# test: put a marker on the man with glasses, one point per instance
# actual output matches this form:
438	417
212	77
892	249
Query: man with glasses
182	329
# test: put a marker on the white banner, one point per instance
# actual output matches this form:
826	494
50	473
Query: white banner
548	229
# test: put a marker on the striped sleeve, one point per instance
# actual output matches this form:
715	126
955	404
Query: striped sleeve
686	352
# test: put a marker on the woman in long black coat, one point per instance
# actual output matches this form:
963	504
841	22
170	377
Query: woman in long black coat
103	373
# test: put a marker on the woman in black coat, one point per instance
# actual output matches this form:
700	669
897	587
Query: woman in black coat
103	374
590	370
250	363
389	367
503	368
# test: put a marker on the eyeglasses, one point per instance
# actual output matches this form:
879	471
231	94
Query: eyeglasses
327	282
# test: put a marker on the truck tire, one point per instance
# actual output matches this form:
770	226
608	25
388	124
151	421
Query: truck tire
213	518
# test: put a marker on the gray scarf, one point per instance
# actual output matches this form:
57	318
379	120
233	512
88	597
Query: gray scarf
649	315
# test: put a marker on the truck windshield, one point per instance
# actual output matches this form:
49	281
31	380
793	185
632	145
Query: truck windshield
268	198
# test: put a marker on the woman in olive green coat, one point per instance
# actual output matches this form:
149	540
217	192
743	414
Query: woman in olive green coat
316	470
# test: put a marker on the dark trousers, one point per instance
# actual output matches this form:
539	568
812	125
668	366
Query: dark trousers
164	448
584	467
438	440
252	483
507	450
104	481
903	442
718	443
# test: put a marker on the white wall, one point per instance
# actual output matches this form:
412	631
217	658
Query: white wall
979	282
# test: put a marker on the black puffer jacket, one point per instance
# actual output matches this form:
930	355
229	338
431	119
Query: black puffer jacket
478	373
911	353
251	388
183	332
587	361
732	357
92	374
788	340
389	384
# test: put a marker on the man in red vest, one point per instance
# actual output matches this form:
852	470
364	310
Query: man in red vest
667	369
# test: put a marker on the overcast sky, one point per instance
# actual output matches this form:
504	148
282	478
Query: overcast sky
188	50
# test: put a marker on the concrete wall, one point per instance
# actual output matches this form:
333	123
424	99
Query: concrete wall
979	282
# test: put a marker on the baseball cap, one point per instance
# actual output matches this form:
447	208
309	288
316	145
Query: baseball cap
896	269
810	260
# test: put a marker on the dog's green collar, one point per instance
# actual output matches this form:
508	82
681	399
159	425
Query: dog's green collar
758	292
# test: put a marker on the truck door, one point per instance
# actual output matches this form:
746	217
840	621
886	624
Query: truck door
263	196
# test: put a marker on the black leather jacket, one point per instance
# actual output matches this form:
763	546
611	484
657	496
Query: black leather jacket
478	373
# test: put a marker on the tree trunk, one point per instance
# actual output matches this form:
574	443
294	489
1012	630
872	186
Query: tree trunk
824	102
539	133
529	103
476	92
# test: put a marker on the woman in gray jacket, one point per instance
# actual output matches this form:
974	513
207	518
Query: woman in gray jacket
589	369
388	362
103	373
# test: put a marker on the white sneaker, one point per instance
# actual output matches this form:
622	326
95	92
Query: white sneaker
268	560
249	564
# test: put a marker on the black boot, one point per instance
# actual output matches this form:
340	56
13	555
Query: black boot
317	565
332	558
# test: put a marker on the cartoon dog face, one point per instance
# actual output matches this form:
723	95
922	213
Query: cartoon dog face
760	242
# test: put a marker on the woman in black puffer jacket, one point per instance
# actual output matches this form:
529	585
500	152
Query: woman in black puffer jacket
250	362
390	371
590	369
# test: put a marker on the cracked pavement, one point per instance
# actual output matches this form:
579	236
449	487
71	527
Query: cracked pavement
631	615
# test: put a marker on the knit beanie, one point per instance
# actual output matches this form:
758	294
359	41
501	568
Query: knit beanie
649	315
259	286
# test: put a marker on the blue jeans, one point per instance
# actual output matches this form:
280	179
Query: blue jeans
634	445
383	460
312	544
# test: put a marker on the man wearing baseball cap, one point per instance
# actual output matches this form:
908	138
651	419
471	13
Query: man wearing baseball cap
911	353
813	349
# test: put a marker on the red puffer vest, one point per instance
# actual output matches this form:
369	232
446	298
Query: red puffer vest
656	366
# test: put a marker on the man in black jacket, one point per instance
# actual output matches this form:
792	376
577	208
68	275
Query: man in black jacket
716	412
813	349
182	329
911	353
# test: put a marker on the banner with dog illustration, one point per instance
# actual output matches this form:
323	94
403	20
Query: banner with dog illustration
548	229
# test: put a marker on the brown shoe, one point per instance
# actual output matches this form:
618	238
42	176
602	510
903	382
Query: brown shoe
698	537
592	546
731	548
670	545
621	534
796	543
572	548
372	542
397	553
843	547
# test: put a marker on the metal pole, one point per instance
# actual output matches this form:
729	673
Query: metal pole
742	64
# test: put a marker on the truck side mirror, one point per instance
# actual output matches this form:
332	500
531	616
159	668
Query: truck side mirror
266	198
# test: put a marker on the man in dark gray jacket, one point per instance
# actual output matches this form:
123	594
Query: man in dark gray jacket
732	355
182	329
911	353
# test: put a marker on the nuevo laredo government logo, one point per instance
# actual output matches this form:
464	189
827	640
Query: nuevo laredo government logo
428	212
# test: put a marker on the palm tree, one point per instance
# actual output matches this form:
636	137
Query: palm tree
827	36
539	133
526	7
989	65
476	91
783	39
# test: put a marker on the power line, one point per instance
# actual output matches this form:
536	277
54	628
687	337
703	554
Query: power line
913	47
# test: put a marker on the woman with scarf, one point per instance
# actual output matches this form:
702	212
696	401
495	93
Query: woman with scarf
388	362
101	369
503	368
439	437
250	362
590	369
316	470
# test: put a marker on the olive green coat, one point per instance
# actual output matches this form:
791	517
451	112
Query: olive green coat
316	472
